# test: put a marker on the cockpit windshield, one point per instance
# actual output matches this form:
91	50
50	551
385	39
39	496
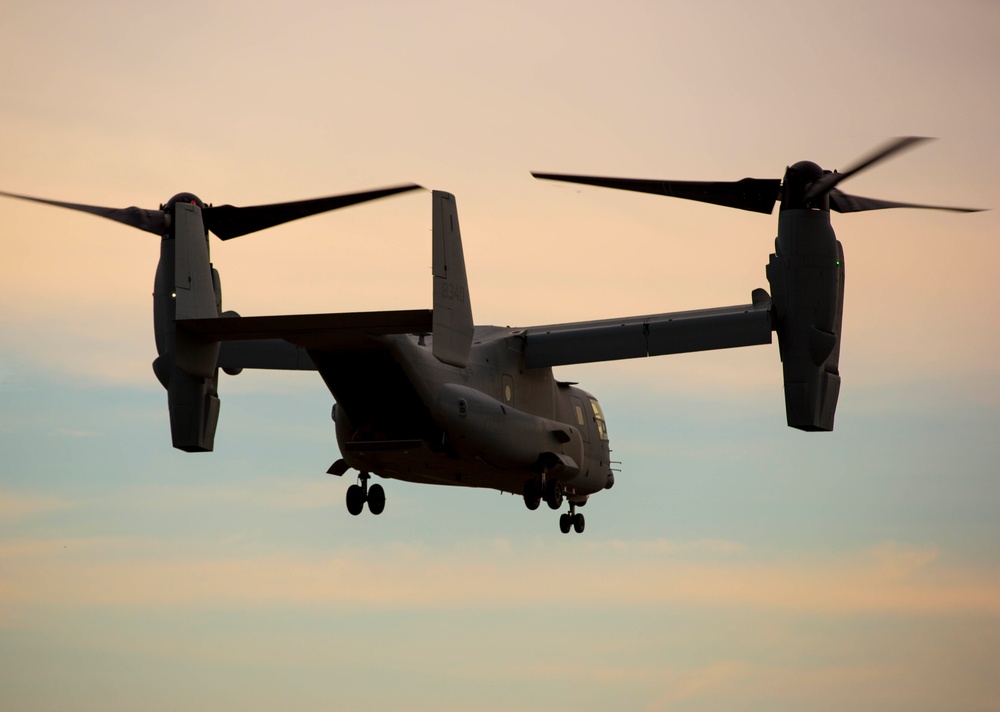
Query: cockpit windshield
602	429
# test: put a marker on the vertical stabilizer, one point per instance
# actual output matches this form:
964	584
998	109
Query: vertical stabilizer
452	308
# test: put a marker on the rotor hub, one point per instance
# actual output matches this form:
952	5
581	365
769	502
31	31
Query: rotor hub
189	198
799	178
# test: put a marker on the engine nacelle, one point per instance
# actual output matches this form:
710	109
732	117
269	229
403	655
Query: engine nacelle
186	286
806	273
194	406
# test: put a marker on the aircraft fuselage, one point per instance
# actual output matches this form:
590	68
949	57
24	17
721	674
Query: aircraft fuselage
493	424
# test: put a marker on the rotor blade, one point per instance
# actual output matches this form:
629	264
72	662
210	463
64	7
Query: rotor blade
228	221
148	220
844	203
757	195
827	182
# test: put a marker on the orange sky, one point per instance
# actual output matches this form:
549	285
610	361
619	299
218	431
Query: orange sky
736	564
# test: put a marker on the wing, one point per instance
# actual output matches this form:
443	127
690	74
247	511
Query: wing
350	351
311	331
267	354
286	342
651	335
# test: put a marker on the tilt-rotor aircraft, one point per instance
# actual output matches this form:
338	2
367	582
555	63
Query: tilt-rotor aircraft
425	396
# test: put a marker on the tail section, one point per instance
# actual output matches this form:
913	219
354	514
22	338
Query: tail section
453	326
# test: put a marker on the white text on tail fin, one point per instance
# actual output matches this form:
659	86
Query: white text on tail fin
452	308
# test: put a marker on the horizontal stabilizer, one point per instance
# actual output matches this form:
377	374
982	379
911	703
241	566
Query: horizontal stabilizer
654	335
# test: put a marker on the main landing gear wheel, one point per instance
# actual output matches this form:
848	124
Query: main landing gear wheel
358	494
532	494
553	494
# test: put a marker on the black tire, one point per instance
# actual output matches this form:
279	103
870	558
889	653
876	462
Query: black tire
553	494
376	499
355	500
564	523
532	494
579	523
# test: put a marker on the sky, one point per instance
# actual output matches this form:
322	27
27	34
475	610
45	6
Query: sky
736	564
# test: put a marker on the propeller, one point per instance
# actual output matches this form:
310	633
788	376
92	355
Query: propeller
805	185
754	194
226	221
153	221
825	183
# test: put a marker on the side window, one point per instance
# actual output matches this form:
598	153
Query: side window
602	429
581	419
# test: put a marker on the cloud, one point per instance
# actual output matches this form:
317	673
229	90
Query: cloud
731	684
683	685
74	433
15	506
287	494
896	561
890	578
664	546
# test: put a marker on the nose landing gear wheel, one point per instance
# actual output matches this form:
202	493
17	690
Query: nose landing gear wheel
376	499
358	494
571	520
564	523
355	499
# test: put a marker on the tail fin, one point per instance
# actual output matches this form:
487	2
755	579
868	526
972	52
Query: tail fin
453	327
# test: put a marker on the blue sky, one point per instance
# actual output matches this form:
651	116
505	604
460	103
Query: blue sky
736	564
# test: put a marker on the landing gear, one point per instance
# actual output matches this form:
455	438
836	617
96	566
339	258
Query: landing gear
532	494
553	494
550	490
355	499
376	499
536	490
358	494
571	520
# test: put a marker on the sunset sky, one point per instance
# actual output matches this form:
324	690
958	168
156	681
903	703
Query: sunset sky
736	565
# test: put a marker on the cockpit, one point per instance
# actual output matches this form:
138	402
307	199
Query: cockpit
602	428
